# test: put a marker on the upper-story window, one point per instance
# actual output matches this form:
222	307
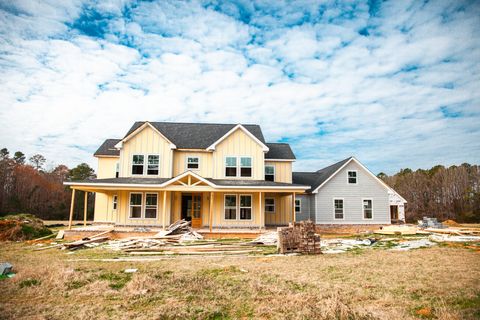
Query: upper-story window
246	166
193	163
230	166
153	164
270	173
238	166
117	169
352	177
138	163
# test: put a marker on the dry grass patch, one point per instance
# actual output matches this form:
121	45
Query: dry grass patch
435	283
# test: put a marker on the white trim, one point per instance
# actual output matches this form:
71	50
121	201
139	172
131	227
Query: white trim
186	163
130	206
265	171
236	207
356	177
132	164
238	165
159	165
295	205
363	167
119	145
240	207
363	209
239	126
145	205
115	203
343	208
265	205
280	160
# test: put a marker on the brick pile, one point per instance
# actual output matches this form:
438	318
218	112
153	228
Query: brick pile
299	237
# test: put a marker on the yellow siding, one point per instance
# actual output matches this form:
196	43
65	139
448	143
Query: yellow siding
123	216
103	202
283	210
238	144
205	166
106	167
283	170
147	141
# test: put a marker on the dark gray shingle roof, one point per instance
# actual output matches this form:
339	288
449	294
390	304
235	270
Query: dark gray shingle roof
107	148
196	135
279	151
315	179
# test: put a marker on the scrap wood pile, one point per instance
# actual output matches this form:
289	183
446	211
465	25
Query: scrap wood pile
299	237
21	227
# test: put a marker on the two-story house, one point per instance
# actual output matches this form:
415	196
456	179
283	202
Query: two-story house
215	175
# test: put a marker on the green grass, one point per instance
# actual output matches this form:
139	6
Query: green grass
29	283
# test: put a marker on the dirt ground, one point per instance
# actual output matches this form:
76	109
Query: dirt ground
432	283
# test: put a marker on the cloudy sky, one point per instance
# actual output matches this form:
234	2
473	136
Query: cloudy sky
395	83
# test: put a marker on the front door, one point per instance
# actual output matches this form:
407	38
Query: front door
394	212
192	209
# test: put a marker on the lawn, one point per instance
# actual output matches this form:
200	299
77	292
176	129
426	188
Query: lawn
435	283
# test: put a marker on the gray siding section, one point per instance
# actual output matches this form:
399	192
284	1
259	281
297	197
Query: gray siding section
367	187
307	209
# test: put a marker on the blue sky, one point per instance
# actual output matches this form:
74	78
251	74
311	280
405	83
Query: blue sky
394	83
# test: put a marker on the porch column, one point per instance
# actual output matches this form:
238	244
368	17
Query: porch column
210	212
71	210
293	208
260	209
85	206
164	208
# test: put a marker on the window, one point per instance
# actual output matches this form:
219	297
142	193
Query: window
151	205
115	202
367	209
338	208
117	169
153	161
298	205
135	205
230	166
192	163
270	173
245	207
352	177
137	164
270	205
230	207
245	166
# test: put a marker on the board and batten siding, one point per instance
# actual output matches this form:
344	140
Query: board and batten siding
147	141
205	165
283	170
367	187
283	210
103	201
239	143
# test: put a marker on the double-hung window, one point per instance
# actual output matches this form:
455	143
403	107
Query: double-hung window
115	202
245	207
367	209
230	166
151	205
136	205
137	164
153	164
270	173
298	205
117	169
230	207
270	205
338	208
193	163
245	167
352	177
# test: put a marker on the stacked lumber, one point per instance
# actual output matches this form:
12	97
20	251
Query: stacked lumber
299	237
182	229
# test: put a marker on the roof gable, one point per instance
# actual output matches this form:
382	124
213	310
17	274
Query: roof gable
107	149
235	129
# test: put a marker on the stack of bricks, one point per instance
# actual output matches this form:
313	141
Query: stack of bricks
299	237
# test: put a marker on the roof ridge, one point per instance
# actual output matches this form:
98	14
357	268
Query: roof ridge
203	123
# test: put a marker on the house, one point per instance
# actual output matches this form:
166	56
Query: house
215	175
347	193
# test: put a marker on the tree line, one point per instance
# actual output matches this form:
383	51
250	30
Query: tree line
440	192
27	186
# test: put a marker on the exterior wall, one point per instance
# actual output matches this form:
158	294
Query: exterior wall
205	166
283	210
306	212
283	170
103	201
352	194
147	141
123	211
239	144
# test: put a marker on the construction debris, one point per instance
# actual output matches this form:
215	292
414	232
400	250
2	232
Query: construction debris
413	244
430	223
397	230
267	239
299	237
5	268
450	238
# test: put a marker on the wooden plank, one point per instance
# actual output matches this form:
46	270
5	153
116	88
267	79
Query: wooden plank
210	216
164	208
71	210
99	234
